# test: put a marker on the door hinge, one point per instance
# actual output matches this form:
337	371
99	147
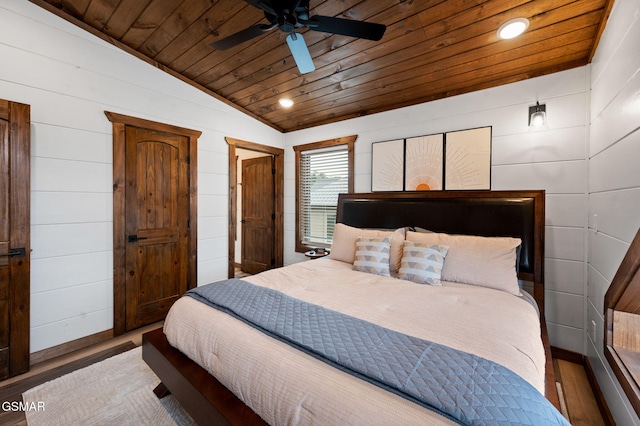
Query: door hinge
273	261
273	216
273	171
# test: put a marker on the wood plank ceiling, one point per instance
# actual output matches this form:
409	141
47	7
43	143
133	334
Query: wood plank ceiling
431	49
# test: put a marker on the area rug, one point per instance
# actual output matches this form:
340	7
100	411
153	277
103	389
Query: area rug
116	391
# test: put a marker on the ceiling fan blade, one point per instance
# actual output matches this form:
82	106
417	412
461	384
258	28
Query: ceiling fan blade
241	36
300	53
347	27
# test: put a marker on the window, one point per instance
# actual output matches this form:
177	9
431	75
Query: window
323	170
622	324
323	175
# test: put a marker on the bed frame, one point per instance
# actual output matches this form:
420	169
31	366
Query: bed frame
518	214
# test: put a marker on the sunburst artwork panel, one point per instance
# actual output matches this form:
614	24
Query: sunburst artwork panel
468	159
424	163
387	165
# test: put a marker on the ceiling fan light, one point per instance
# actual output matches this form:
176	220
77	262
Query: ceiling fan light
286	102
513	28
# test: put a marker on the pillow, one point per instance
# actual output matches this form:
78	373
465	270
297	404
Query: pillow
422	263
372	255
483	261
422	230
343	247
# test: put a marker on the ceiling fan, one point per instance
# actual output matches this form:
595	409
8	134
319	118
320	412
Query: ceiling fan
287	16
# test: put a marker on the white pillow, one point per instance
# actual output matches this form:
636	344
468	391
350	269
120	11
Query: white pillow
372	255
483	261
422	263
343	247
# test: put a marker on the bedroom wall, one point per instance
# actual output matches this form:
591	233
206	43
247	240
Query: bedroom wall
553	160
70	78
614	179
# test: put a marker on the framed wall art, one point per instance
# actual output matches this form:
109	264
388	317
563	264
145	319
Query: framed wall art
387	165
423	164
467	162
458	160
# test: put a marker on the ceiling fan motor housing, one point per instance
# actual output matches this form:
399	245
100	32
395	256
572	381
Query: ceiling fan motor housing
287	23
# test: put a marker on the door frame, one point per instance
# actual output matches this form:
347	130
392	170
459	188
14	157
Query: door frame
278	231
119	122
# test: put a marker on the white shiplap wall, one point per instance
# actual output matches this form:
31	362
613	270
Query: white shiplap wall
614	179
70	78
553	160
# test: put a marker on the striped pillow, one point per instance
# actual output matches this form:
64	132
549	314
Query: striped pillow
422	263
372	255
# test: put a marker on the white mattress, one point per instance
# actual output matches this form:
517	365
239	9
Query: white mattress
287	387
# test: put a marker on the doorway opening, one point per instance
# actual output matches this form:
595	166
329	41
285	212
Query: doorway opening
256	226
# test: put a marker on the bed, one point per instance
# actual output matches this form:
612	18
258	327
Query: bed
224	366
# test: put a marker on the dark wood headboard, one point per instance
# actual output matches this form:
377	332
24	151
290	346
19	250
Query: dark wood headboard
487	213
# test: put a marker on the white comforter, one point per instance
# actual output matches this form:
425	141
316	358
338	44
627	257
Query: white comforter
286	387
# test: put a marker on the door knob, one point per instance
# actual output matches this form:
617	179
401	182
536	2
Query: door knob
15	252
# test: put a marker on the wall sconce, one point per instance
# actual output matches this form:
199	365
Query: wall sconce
538	116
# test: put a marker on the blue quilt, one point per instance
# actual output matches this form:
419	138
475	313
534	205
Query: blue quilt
460	386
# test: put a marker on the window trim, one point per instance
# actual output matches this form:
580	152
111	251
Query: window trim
349	141
621	346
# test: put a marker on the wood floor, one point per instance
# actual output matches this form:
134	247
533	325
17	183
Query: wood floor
580	403
581	406
239	273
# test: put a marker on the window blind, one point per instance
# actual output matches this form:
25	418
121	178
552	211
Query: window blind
323	175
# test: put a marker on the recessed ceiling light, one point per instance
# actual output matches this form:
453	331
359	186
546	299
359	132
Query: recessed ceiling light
513	28
286	102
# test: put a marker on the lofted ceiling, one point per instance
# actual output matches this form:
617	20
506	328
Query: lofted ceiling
432	49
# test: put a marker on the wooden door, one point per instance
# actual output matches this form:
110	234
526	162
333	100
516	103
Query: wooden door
14	238
234	199
258	214
157	220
